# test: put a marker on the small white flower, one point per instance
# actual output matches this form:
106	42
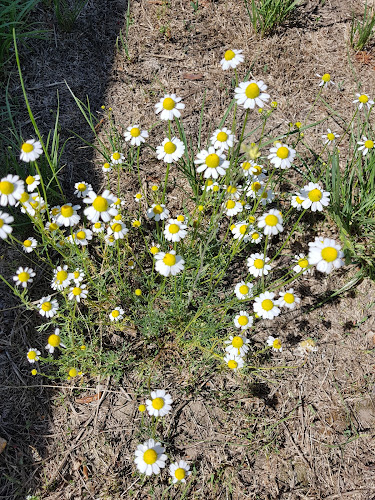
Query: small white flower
282	155
232	58
32	182
34	205
233	191
243	320
68	215
267	196
170	150
325	254
169	107
101	206
138	197
325	80
330	136
266	306
297	201
175	231
255	237
11	189
82	189
365	145
271	222
314	197
258	265
98	227
118	230
48	307
305	347
24	276
222	139
31	150
33	355
157	212
240	231
211	162
117	158
237	345
160	403
288	299
110	240
363	100
179	471
78	292
169	263
243	290
77	276
233	361
302	264
135	135
251	94
210	185
150	458
61	278
5	229
275	343
54	341
107	167
117	314
82	237
232	207
254	188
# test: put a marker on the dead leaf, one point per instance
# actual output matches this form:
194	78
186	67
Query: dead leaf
85	472
192	76
88	399
363	57
3	443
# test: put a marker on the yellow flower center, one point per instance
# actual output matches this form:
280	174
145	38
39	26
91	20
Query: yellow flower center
246	165
154	250
231	204
329	254
174	228
158	403
255	186
106	165
169	259
243	320
299	200
326	77
169	147
81	235
232	364
6	187
116	156
231	189
53	226
61	276
116	228
330	136
77	291
315	195
142	408
46	306
54	340
150	456
27	147
276	344
168	103
244	289
271	220
222	136
67	211
97	225
237	342
24	197
158	209
180	474
138	196
363	98
282	152
76	274
27	243
212	160
31	355
115	313
73	372
215	189
289	298
229	54
100	204
267	304
303	263
258	263
243	228
81	187
135	132
180	218
369	144
23	277
255	236
252	91
257	170
29	180
1	222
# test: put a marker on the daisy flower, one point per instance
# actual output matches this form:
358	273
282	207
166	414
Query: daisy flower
24	276
265	305
118	229
305	347
101	206
211	162
282	155
117	314
232	58
48	307
366	145
35	204
169	263
314	197
275	343
98	227
325	254
117	158
243	290
51	226
150	458
157	212
179	471
31	150
243	320
288	299
136	223
237	345
61	278
255	237
210	185
271	222
32	182
257	171
82	189
82	237
68	215
233	361
170	150
78	275
78	292
297	201
33	355
302	264
138	197
110	240
254	189
5	229
160	403
329	137
169	107
267	196
232	207
175	231
239	231
135	135
233	191
107	167
222	139
325	80
11	189
258	265
363	100
54	341
251	94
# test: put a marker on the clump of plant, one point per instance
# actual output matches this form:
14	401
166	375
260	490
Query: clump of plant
266	15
